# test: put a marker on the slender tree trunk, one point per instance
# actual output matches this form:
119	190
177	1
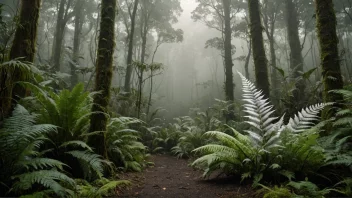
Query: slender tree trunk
106	47
229	85
144	33
58	37
130	49
76	41
248	58
61	22
296	59
260	61
24	44
326	28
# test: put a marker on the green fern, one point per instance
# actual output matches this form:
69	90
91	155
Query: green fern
20	143
100	188
123	144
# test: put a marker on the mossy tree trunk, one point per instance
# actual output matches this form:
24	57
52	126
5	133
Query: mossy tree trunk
326	29
24	46
229	85
105	53
260	61
130	48
296	59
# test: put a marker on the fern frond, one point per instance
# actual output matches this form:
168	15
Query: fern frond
48	178
92	160
76	143
304	120
265	133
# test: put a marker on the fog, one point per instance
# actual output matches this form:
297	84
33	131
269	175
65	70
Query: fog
193	68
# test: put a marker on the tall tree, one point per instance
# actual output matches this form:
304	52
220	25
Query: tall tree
326	29
24	46
270	16
63	16
260	61
219	15
296	59
229	85
106	45
78	12
130	47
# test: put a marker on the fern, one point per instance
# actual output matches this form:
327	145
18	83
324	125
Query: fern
48	178
100	188
265	149
124	146
20	143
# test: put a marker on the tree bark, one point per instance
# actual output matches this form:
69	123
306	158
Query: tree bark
296	59
130	49
76	41
62	19
332	79
24	45
105	53
260	61
229	85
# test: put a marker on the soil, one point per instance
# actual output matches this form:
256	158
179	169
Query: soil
171	177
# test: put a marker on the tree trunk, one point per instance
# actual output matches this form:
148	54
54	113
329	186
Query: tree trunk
130	49
326	28
105	53
229	85
62	19
144	33
24	44
248	58
296	59
260	61
76	41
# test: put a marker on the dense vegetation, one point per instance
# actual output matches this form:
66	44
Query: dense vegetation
76	115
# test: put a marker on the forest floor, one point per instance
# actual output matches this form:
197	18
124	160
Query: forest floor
171	177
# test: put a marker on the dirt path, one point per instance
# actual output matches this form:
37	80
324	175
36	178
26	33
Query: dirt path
171	177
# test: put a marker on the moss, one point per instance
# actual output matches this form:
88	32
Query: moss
331	72
103	79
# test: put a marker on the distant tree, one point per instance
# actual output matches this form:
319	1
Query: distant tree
260	61
78	22
296	59
106	45
271	14
63	15
24	47
326	29
129	68
220	15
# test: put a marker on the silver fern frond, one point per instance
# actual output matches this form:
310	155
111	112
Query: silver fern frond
265	133
305	118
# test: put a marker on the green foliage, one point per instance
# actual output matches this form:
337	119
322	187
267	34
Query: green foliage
70	111
269	148
99	188
24	164
123	144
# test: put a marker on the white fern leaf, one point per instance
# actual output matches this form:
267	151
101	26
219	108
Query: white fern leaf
259	116
304	120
